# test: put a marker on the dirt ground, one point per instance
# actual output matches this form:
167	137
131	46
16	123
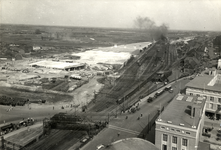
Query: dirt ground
85	93
80	96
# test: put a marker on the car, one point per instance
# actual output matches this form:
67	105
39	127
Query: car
150	99
171	90
100	146
167	88
83	140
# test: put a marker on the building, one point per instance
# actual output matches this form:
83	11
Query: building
130	144
58	65
219	64
180	125
208	85
36	48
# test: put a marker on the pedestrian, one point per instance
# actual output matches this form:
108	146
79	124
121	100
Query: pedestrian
126	117
138	118
118	134
141	115
53	107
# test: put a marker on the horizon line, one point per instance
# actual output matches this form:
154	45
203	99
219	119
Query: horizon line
104	27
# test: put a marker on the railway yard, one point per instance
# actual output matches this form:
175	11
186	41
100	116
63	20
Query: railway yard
102	84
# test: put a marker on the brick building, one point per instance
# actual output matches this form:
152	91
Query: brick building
180	125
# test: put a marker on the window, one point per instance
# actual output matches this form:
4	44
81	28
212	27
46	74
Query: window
174	139
177	130
164	147
187	132
165	137
162	127
191	93
197	95
219	100
184	142
212	99
210	106
174	148
172	130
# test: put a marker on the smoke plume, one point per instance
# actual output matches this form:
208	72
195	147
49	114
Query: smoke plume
156	32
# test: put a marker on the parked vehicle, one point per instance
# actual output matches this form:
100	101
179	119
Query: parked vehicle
150	99
171	90
100	146
167	88
158	93
6	128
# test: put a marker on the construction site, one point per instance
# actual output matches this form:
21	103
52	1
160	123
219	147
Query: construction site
75	94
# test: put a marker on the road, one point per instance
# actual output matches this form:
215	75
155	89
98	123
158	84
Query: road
37	112
131	127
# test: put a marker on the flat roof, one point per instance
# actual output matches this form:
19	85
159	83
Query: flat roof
201	82
57	65
131	144
25	137
179	111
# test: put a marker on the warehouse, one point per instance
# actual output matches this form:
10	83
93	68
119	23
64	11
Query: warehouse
58	65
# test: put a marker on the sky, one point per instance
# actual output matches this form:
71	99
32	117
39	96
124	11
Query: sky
177	14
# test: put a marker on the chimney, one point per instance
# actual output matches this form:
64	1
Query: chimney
214	72
195	109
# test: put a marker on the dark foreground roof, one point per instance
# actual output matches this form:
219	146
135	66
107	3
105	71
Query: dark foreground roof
179	111
132	144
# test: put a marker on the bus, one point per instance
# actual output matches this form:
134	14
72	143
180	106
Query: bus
158	93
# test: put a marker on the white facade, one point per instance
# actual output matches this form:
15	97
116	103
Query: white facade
213	99
219	64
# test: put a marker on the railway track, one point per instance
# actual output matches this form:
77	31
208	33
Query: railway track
128	94
148	87
123	84
132	96
56	140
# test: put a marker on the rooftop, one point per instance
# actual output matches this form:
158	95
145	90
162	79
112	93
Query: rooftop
57	65
202	82
178	112
132	144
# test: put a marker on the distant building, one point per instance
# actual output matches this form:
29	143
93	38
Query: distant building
3	58
75	76
36	48
180	125
190	63
58	65
208	85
